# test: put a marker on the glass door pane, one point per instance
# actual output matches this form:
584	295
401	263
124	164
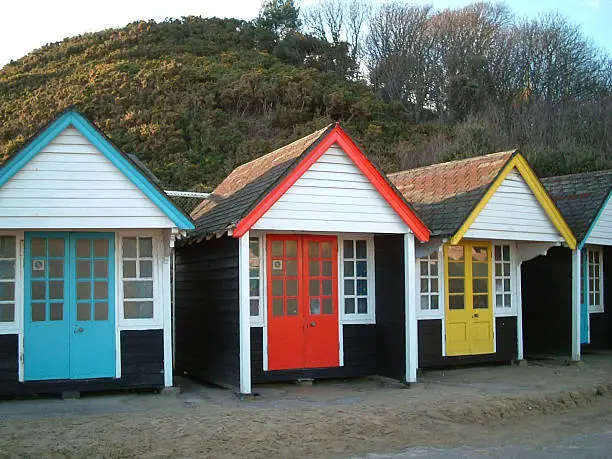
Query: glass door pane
456	277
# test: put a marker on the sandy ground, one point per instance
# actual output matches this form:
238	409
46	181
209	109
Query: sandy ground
329	419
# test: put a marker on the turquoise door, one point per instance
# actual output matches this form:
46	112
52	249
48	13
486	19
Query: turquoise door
69	328
584	308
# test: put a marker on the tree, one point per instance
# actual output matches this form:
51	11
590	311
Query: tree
279	18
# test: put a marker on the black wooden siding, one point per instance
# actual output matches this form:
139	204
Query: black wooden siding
390	308
601	323
207	311
142	367
430	344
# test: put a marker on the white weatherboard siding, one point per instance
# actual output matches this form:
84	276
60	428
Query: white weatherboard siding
70	184
602	231
333	195
514	214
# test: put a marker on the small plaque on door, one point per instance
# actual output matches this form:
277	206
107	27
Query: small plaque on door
277	265
38	265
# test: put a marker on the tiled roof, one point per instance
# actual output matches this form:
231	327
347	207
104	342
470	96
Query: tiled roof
444	194
248	184
579	197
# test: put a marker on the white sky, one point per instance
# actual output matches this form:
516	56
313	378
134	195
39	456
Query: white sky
29	24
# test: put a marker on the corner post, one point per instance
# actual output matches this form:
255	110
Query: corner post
576	304
244	314
166	253
412	340
520	354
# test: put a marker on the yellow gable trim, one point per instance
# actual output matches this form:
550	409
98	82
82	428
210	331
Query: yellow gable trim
519	162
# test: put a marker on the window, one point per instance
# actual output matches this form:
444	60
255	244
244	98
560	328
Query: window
594	285
502	276
138	296
429	282
357	279
255	278
8	254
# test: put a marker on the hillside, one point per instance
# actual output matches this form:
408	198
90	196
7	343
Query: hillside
194	98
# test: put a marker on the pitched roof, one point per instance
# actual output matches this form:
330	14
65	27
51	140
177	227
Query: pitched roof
579	197
445	194
135	170
246	185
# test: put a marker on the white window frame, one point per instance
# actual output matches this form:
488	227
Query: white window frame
15	327
431	313
157	320
258	320
355	318
594	308
502	311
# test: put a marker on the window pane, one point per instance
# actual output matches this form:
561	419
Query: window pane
292	306
83	290
456	269
424	266
314	288
254	248
455	285
506	285
39	291
348	249
424	302
498	252
56	268
481	285
254	307
277	267
433	285
480	253
433	266
138	289
361	250
292	287
349	287
481	301
145	247
313	268
129	247
83	311
277	248
254	272
101	268
349	268
326	251
291	248
455	253
315	306
138	309
349	305
37	248
328	306
253	287
83	268
507	301
499	301
7	247
277	307
146	269
291	266
7	312
424	285
56	247
327	286
480	270
56	289
498	269
129	269
101	290
313	249
506	269
277	287
327	268
39	312
455	302
362	305
7	269
435	302
100	248
362	268
83	248
362	287
101	311
506	253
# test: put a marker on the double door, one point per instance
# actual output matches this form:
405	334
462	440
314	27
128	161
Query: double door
69	330
469	304
302	309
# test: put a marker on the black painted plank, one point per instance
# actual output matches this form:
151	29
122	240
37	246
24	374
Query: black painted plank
601	323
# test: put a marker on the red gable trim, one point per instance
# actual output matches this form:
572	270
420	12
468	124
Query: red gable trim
337	135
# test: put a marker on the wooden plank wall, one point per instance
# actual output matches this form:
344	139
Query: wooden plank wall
207	311
601	323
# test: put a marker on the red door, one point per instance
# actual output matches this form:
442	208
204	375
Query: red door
302	302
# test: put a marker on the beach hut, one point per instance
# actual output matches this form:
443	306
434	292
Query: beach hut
487	216
85	245
301	266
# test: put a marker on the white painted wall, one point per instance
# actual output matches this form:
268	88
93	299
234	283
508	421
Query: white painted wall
513	213
602	231
333	195
70	184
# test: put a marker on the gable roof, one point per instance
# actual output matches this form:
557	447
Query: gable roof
580	198
251	189
449	196
132	169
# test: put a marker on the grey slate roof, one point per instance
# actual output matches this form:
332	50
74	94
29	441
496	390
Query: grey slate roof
579	197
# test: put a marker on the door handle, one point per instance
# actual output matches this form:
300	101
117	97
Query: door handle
313	324
78	330
476	316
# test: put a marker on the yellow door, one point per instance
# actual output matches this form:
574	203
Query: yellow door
469	311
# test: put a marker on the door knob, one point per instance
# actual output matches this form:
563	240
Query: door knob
313	324
475	316
79	330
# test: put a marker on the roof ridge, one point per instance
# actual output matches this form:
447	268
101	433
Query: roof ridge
576	174
454	162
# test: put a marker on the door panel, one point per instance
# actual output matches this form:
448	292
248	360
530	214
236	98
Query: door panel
69	330
469	312
93	333
321	301
285	324
47	315
302	301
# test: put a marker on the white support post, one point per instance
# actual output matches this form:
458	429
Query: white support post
576	305
167	312
412	340
245	317
519	312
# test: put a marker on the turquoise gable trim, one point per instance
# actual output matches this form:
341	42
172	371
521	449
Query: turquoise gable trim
599	212
108	150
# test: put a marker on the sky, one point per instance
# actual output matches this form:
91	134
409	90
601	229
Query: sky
26	25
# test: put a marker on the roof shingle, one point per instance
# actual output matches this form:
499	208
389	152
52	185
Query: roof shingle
579	197
444	194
